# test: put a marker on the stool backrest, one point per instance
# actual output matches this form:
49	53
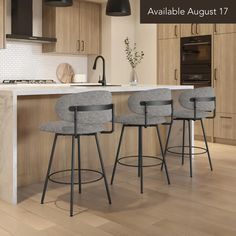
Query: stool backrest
85	99
151	95
205	92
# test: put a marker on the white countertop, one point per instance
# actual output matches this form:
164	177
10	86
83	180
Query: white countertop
47	89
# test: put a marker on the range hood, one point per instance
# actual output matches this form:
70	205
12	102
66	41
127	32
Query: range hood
22	23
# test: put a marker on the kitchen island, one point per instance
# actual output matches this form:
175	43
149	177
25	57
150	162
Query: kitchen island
24	150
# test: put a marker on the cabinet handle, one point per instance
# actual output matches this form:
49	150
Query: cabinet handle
176	31
192	31
226	117
215	74
197	31
215	28
83	46
78	48
176	76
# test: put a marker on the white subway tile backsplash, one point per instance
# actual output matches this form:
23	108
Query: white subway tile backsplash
26	61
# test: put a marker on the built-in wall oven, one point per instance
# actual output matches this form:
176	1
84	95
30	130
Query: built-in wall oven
196	60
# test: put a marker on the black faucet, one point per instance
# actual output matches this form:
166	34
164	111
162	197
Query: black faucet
103	80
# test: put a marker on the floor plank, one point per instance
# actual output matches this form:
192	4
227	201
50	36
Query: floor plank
204	205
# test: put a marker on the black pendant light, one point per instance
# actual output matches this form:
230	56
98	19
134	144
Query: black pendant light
118	8
59	3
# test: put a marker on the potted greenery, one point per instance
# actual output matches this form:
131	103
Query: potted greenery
134	58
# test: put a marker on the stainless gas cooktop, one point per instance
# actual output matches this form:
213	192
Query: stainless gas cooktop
41	81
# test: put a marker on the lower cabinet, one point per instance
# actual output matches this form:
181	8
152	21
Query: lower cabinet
208	125
225	126
222	128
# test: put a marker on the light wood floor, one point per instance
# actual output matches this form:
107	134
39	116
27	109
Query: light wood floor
204	205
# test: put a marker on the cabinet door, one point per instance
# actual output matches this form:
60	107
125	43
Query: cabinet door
187	30
196	29
89	28
225	126
168	69
168	31
77	28
204	29
2	24
224	28
208	126
67	24
225	72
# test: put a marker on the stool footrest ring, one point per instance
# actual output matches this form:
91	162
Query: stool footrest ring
136	156
169	150
101	176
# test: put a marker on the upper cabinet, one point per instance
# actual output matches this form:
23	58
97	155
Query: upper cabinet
196	29
90	27
224	28
168	31
76	28
2	24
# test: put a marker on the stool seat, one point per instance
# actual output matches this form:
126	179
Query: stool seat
89	112
189	114
146	109
67	128
138	119
196	105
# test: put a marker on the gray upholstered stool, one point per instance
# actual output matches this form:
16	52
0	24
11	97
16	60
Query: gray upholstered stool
149	109
198	104
81	114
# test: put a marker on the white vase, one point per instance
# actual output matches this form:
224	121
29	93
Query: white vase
133	77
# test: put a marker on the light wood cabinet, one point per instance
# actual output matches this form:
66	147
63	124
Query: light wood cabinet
90	27
76	28
208	125
225	126
196	29
225	72
168	31
224	28
2	24
168	68
187	30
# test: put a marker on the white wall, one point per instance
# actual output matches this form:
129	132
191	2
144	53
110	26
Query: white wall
26	60
114	31
146	38
122	27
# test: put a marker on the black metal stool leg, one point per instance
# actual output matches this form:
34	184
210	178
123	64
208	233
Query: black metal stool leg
49	169
103	169
167	143
190	147
140	156
163	154
208	153
183	144
117	155
139	161
79	165
72	177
